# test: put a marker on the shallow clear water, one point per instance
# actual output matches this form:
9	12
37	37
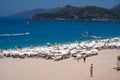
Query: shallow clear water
52	31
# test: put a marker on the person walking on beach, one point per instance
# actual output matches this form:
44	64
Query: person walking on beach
84	59
91	70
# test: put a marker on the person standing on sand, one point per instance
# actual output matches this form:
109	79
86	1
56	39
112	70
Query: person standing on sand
84	59
91	70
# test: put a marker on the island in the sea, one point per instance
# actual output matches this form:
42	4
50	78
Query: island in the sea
69	12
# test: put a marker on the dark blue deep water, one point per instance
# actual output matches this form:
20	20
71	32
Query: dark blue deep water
52	31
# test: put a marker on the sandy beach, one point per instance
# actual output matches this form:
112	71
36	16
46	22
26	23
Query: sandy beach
69	69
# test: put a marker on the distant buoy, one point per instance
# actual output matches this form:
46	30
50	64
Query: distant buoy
28	22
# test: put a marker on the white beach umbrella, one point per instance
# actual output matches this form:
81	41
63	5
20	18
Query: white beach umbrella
88	52
73	51
101	44
65	47
82	44
94	51
83	52
63	52
57	54
90	45
42	49
79	56
16	52
37	49
28	53
117	44
95	46
6	52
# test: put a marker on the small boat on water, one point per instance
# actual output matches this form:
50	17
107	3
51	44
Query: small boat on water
18	34
27	33
97	37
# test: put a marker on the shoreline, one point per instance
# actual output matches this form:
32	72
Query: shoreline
63	43
63	51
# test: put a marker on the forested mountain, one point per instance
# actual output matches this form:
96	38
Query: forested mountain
82	13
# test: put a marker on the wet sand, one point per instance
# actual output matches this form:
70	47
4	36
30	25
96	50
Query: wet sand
69	69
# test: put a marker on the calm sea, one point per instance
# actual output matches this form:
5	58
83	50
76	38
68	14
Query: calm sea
52	31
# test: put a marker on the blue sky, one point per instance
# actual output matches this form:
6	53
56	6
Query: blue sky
9	7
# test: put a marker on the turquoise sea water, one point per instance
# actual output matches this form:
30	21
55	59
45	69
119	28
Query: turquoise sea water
52	31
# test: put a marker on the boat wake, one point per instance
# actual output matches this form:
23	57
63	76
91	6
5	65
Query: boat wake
18	34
